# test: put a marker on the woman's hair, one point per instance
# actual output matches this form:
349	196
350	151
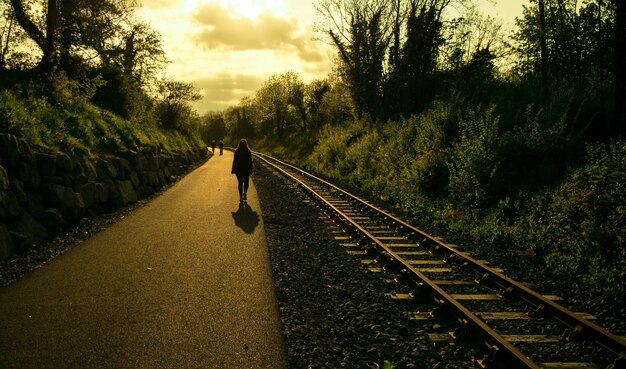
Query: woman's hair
243	144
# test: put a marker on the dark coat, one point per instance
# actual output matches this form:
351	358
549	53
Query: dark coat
242	164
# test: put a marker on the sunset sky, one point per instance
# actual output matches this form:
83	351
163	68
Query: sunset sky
228	48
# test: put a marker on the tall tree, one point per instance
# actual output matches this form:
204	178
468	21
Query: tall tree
71	26
468	35
213	127
361	32
52	25
543	47
33	31
582	53
619	123
142	52
7	33
280	104
174	107
240	119
314	98
411	84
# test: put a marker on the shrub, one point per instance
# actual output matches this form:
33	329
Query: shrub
329	155
581	229
474	160
520	189
80	128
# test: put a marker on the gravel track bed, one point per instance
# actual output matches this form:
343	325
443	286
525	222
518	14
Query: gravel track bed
333	310
327	297
522	267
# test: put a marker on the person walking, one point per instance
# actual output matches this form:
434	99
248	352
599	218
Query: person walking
221	147
213	146
242	168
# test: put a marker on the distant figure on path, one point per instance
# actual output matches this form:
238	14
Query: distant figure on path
242	168
213	146
221	147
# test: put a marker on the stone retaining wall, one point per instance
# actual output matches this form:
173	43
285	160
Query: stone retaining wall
41	193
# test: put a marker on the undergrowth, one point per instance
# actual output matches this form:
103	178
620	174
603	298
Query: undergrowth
66	121
534	186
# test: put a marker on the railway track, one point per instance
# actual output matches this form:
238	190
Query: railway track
511	319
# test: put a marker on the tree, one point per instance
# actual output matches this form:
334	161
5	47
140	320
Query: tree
561	42
388	69
280	104
543	47
419	56
337	106
11	36
239	120
313	100
33	31
129	69
361	32
143	54
213	127
174	108
468	35
410	84
619	60
73	29
295	92
580	55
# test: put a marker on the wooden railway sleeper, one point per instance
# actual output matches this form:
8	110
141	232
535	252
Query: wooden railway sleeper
460	330
365	241
574	334
505	293
451	258
482	279
490	357
352	232
390	261
537	312
619	363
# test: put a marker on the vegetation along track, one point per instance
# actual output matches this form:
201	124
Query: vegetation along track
519	327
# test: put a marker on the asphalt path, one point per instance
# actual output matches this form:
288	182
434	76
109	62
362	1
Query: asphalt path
182	282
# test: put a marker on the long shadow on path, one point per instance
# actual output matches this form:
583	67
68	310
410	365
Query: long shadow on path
246	218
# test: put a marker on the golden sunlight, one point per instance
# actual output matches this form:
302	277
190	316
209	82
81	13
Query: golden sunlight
244	8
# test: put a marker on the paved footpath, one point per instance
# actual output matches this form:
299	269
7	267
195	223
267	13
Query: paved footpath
182	282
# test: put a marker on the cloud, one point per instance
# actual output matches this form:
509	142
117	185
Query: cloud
156	3
225	89
222	30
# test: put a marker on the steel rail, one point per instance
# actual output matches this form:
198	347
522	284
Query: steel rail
580	327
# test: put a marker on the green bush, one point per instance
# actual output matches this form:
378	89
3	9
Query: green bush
77	127
329	156
523	188
474	160
581	227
